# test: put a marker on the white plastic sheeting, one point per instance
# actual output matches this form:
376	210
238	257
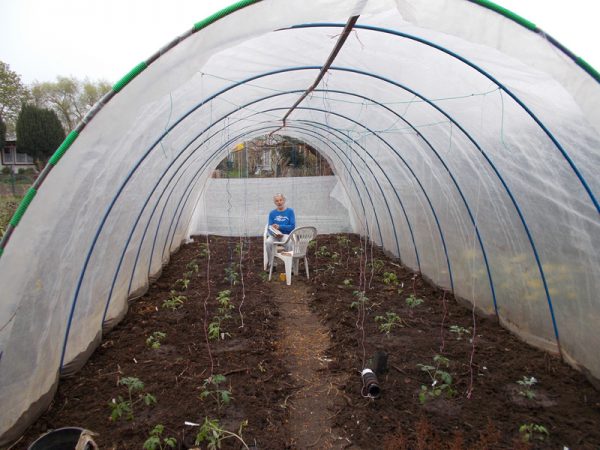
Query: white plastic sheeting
465	144
239	207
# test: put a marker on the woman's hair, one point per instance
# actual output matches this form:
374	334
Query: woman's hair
278	195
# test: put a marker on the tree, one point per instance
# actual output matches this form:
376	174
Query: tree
39	133
2	134
68	97
12	94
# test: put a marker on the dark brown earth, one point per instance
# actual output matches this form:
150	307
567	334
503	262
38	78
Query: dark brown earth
292	357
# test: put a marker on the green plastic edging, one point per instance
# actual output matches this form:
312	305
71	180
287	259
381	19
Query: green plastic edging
530	25
60	151
16	218
506	13
129	76
224	12
588	68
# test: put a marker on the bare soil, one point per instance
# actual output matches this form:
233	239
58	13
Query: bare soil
292	357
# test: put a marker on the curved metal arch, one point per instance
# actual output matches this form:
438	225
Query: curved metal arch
466	203
221	130
134	169
323	140
474	66
506	188
320	138
410	170
157	204
329	129
232	86
341	160
128	177
133	228
437	155
146	203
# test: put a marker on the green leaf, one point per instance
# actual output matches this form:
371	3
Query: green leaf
218	378
152	443
149	399
225	396
445	376
132	383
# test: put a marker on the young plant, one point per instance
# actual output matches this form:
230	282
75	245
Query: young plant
212	388
323	252
413	302
389	321
192	266
533	432
347	282
459	331
182	284
231	274
441	381
175	301
156	440
214	331
225	304
155	339
390	278
189	274
264	276
376	265
527	384
120	407
238	248
343	241
312	245
361	299
214	434
204	251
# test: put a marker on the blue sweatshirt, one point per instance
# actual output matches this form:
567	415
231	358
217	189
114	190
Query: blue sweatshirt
285	219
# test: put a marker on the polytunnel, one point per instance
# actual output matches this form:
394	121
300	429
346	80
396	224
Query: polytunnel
464	141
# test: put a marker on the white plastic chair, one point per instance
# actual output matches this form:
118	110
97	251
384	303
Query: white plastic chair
265	257
297	243
275	248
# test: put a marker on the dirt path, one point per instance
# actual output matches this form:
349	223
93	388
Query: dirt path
303	348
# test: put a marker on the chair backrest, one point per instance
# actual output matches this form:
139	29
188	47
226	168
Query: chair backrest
300	238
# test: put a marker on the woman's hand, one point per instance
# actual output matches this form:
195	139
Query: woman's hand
275	226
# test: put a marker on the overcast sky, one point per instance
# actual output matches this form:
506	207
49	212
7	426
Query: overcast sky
41	39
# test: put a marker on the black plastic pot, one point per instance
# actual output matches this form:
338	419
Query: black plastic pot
60	439
370	384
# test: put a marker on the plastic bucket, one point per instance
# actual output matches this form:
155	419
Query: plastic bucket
60	439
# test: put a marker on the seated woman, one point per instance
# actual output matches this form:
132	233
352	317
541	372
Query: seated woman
281	222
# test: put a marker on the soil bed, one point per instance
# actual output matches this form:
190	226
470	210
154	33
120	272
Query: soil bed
482	406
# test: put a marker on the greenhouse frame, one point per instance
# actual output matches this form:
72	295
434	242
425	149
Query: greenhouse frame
464	140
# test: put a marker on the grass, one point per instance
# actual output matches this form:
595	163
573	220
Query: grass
19	178
8	206
8	200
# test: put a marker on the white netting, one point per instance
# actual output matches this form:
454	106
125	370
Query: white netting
424	147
